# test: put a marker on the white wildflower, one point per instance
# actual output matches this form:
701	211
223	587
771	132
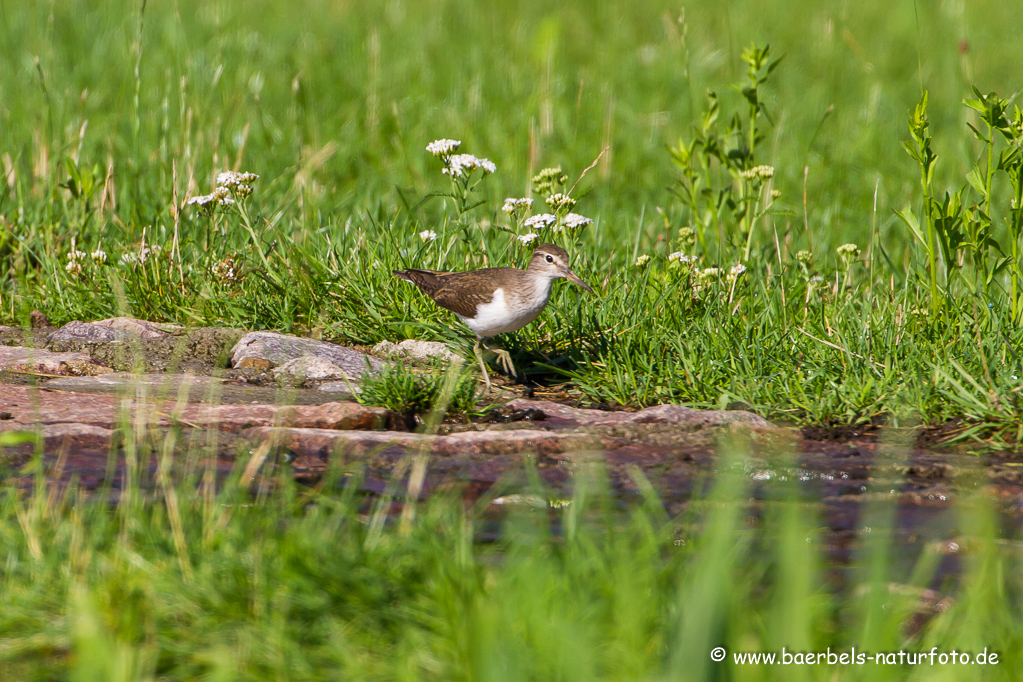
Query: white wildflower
574	220
73	268
735	272
560	201
459	163
99	256
226	270
683	258
642	261
776	194
75	255
848	251
443	147
232	179
202	201
541	220
141	256
528	239
804	257
761	172
511	205
708	274
428	235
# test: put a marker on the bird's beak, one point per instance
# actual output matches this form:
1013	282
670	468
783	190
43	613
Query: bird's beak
574	278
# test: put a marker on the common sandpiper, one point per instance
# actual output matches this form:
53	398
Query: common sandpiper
497	300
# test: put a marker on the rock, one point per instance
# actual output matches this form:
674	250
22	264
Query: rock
416	350
113	329
340	388
115	380
37	361
72	436
266	350
28	406
322	442
38	320
562	416
309	367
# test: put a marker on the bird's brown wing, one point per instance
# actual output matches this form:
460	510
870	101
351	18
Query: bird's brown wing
459	292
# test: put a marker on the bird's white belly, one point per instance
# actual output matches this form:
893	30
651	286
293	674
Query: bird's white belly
497	317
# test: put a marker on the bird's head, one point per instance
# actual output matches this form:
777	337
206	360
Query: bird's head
551	261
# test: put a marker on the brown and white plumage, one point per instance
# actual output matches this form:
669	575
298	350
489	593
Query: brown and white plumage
493	301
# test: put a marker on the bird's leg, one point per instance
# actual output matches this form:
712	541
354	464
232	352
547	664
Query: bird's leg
505	358
483	366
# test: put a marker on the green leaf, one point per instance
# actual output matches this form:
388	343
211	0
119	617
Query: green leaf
909	218
977	182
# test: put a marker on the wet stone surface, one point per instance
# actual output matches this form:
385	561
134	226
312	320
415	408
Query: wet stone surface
233	405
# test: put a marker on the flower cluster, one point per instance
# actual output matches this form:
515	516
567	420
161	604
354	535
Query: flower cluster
848	251
443	147
228	183
75	260
428	235
240	184
140	256
226	271
512	205
528	239
642	261
78	261
686	236
541	220
559	202
761	172
549	181
736	272
708	275
683	259
574	221
458	164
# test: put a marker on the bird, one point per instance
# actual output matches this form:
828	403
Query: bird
493	301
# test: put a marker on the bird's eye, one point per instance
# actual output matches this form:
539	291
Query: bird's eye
550	259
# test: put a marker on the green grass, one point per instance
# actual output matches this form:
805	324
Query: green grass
311	584
111	116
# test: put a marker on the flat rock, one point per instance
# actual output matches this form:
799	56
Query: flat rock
38	361
266	350
310	367
113	329
416	350
115	380
321	442
339	388
562	416
70	436
25	407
